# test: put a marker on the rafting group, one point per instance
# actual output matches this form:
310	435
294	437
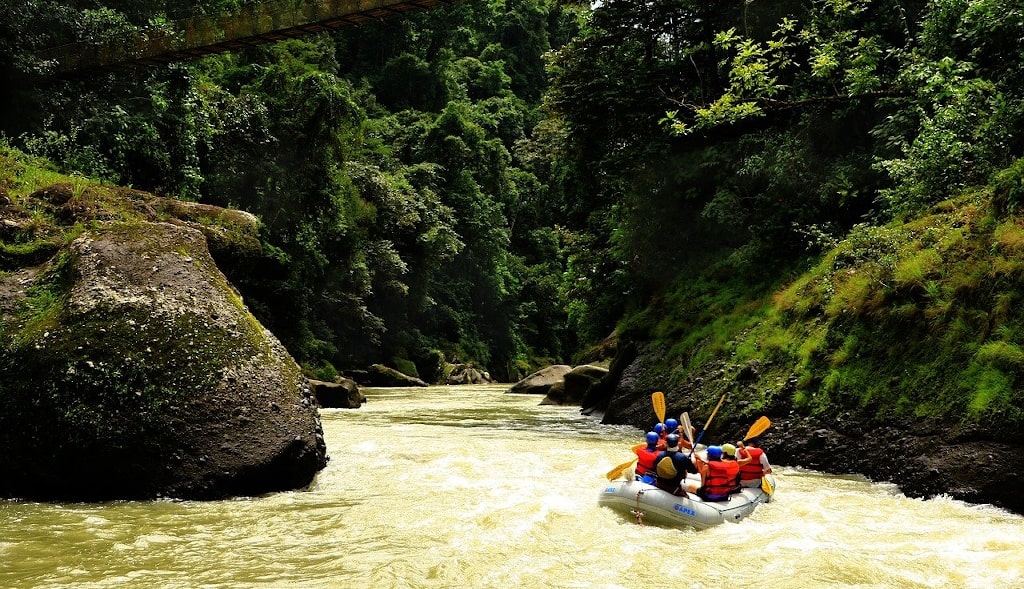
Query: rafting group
666	459
679	480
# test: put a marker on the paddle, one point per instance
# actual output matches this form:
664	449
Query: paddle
766	486
658	400
707	423
618	470
687	427
758	428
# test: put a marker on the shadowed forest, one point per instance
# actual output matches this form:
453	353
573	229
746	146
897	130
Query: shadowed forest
830	188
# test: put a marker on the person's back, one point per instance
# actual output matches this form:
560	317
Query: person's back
758	465
720	477
671	467
646	457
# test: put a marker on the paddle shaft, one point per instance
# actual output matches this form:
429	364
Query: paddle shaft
707	423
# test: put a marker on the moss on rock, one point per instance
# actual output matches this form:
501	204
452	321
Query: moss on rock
132	368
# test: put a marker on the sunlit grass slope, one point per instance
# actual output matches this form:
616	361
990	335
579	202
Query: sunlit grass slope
920	318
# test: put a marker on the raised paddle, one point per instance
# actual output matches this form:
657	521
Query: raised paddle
658	400
758	428
707	423
684	419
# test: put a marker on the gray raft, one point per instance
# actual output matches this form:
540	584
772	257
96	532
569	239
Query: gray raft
649	504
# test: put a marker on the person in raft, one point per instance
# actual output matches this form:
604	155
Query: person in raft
645	459
758	465
659	428
671	467
673	426
721	477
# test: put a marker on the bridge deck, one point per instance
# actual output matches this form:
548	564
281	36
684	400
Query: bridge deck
256	24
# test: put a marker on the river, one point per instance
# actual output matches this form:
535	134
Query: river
469	487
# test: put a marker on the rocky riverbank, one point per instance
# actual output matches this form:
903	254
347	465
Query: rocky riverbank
924	457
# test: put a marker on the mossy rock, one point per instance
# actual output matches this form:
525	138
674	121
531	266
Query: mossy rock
132	369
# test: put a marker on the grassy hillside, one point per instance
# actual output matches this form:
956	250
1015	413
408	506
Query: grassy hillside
919	318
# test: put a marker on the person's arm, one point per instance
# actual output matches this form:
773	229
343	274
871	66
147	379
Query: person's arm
767	468
701	466
691	467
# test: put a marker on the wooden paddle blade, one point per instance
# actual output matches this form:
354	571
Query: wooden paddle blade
766	486
618	470
758	428
687	427
658	400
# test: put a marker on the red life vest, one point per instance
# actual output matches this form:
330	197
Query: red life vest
723	478
753	469
645	460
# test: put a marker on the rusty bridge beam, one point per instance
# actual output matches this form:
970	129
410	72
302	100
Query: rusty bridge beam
255	24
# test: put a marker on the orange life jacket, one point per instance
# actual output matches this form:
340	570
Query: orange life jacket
723	478
645	460
753	469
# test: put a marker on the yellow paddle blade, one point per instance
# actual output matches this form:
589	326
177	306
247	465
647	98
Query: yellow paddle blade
618	470
758	428
658	400
766	486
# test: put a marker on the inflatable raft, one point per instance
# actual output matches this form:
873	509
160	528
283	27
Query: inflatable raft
649	504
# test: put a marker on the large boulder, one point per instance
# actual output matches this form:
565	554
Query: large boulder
575	385
467	374
540	382
338	395
130	368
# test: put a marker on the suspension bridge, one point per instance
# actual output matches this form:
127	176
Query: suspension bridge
255	24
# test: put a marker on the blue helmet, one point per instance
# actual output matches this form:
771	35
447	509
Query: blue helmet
659	427
672	441
652	438
714	452
671	424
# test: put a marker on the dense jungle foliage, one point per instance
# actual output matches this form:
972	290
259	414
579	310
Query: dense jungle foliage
829	187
